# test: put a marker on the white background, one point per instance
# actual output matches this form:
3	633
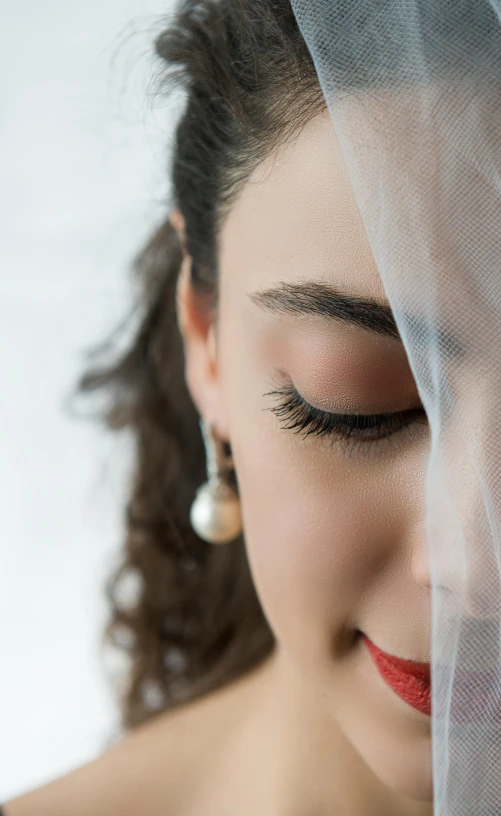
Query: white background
83	180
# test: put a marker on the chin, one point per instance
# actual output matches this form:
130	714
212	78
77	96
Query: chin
391	737
406	768
399	756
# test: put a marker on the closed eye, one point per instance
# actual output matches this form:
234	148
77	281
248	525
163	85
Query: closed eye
299	416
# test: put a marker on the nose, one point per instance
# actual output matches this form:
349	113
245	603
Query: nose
456	550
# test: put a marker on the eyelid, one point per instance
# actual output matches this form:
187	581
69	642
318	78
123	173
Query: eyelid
306	417
284	384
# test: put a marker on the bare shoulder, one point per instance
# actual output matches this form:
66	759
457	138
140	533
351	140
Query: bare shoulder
155	769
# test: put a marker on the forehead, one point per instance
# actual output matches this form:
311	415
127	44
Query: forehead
297	218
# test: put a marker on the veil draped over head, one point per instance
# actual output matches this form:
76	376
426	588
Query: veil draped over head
414	92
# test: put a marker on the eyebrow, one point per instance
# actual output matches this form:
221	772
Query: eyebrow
323	300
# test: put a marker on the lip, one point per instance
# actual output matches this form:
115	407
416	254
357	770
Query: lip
409	679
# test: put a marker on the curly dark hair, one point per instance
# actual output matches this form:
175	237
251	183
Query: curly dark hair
250	86
197	622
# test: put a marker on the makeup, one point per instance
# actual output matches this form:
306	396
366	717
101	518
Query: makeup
410	680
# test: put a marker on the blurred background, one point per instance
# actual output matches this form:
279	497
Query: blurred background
83	157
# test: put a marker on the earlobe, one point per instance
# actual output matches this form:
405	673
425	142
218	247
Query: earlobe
182	294
212	348
220	418
197	327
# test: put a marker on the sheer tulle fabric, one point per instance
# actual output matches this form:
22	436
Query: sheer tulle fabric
414	91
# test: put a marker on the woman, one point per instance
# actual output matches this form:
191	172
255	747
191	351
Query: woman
279	663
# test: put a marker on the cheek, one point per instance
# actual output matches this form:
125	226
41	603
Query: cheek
319	526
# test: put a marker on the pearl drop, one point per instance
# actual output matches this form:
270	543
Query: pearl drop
215	514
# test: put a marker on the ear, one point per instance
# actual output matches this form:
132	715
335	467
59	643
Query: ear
196	322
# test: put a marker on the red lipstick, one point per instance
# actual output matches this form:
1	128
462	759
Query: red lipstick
410	680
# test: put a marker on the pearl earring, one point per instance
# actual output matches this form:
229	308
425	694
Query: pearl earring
215	513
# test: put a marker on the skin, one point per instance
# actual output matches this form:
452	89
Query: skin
334	531
335	535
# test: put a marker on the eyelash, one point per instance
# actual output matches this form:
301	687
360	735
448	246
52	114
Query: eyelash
304	417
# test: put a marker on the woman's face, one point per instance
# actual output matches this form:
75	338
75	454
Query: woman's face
333	522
